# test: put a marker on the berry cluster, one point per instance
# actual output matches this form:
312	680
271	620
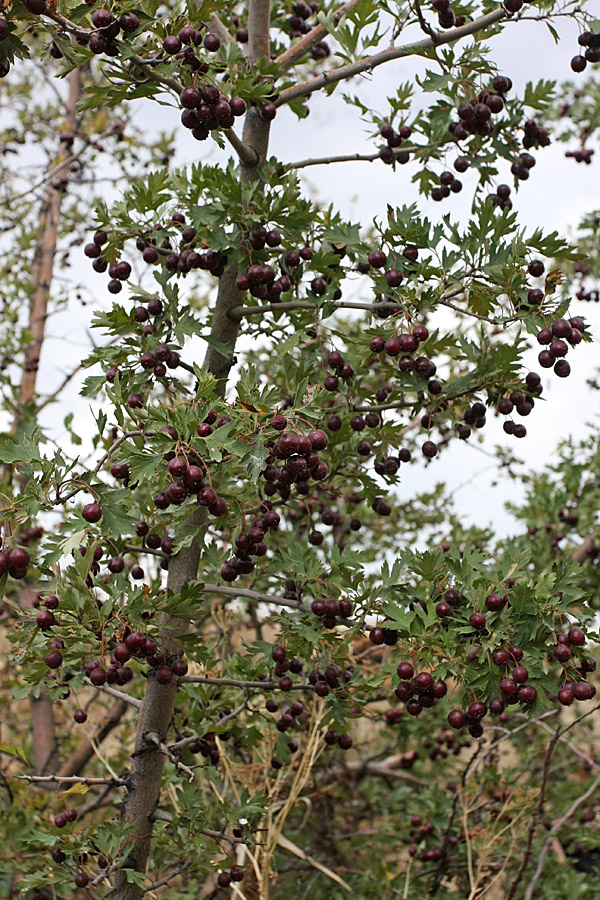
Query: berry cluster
501	197
329	610
250	542
207	109
448	184
420	691
298	24
446	16
557	339
343	370
521	166
394	141
224	879
133	644
474	117
591	42
299	454
535	135
15	562
520	403
583	155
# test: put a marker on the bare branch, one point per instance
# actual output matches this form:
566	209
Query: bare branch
172	757
352	157
314	36
120	695
68	779
377	59
217	27
195	737
242	311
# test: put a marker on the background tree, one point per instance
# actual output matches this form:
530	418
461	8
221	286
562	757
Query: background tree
301	662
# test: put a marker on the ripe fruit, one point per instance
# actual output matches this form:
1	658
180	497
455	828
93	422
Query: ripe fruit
377	259
92	512
97	676
456	718
45	619
164	675
54	659
576	637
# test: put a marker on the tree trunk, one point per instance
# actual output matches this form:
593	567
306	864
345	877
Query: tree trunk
159	700
42	716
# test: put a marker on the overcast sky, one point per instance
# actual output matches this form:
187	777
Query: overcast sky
556	196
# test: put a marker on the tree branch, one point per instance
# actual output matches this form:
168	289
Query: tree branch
369	63
120	695
247	311
295	53
68	779
352	157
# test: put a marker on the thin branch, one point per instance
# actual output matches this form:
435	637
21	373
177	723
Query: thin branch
69	779
425	26
60	500
237	682
352	157
474	315
381	407
134	548
195	737
159	816
252	595
172	757
245	152
167	878
120	695
369	63
219	28
241	311
314	36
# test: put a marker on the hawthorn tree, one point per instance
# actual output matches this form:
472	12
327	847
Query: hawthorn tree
251	671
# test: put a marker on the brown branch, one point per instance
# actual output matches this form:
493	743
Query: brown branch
120	695
326	79
172	757
295	53
159	700
227	591
384	769
581	553
42	715
161	816
67	779
352	157
124	437
178	745
246	311
238	682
